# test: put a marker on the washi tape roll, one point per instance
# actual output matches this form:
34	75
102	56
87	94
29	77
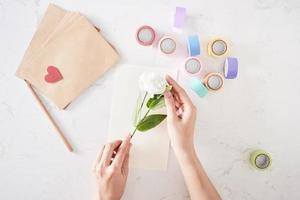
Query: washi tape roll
167	45
193	45
231	68
192	66
217	47
198	87
179	18
214	81
145	35
260	159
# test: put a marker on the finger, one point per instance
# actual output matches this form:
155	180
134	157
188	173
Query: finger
108	152
99	155
122	151
177	100
179	112
125	167
177	104
179	90
170	105
176	96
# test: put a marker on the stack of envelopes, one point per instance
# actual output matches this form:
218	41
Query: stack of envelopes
66	55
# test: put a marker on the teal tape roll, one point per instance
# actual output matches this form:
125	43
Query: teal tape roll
198	87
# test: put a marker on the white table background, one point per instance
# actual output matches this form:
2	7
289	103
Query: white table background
260	109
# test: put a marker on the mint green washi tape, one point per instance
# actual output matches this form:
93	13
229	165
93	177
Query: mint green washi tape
260	159
198	87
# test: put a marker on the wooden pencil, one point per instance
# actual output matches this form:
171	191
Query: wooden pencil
44	109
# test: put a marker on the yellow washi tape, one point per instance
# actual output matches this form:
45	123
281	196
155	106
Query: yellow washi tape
214	81
260	159
217	47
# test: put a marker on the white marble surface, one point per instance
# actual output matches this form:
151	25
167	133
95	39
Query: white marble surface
258	110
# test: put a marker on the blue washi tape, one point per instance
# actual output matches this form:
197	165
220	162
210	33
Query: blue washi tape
193	45
198	87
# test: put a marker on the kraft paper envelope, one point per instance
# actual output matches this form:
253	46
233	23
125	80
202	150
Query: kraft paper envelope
150	150
69	42
49	22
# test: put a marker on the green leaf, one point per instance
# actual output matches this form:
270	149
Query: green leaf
157	101
160	104
150	122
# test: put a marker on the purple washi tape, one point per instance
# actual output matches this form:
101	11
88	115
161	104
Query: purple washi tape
180	15
231	68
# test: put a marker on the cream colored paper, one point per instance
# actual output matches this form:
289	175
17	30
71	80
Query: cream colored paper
68	41
150	149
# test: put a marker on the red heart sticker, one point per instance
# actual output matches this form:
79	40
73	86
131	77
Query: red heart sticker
53	75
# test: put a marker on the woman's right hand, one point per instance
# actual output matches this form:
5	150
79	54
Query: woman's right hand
181	126
181	118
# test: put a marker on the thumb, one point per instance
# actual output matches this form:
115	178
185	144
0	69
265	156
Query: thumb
170	104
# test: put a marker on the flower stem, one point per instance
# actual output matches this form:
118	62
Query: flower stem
138	113
142	103
144	115
140	122
133	132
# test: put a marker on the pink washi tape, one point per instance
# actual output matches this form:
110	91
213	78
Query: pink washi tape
145	35
192	66
167	45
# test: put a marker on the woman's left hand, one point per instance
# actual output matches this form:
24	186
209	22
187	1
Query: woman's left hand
111	169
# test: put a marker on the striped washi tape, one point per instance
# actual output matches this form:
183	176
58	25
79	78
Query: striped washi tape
260	159
145	35
231	68
193	45
217	47
214	81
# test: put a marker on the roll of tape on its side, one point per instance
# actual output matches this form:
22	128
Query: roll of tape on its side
214	77
198	87
193	45
231	68
217	47
260	159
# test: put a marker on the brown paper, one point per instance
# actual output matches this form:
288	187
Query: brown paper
69	42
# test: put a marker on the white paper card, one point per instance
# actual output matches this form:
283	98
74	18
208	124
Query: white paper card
150	150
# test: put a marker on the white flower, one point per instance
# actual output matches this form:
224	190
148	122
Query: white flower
152	83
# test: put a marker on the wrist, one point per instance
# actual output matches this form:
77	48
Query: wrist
185	152
183	148
104	198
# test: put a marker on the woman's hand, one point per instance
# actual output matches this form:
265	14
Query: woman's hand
181	123
111	169
181	118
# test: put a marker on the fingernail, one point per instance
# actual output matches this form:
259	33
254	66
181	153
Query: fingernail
169	78
168	94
